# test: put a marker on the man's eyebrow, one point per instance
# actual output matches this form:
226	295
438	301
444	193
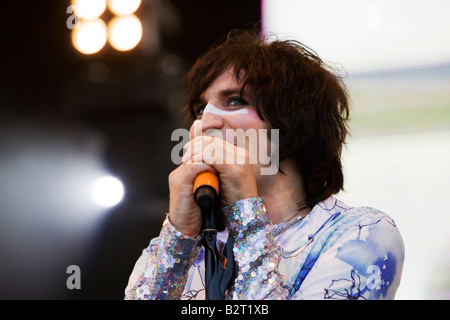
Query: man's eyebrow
229	92
225	93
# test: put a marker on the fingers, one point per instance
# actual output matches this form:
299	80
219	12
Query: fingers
213	151
195	147
196	129
229	161
191	171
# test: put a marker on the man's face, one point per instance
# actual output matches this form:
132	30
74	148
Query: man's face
225	109
223	112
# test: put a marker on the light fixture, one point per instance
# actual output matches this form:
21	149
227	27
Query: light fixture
90	33
123	7
89	9
89	36
124	32
108	191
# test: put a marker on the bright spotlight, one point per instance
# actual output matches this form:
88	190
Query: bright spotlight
108	191
124	32
89	9
89	36
123	7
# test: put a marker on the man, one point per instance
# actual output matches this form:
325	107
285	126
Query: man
292	238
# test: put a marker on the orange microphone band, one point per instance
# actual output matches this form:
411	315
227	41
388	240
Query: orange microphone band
207	179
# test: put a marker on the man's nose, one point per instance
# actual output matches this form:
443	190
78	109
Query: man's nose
208	121
211	121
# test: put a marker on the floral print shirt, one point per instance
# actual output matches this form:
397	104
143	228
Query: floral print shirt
335	252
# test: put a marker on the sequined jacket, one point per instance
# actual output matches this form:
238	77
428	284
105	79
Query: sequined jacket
335	252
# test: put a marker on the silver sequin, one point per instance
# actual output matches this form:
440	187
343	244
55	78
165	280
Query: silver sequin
255	253
165	275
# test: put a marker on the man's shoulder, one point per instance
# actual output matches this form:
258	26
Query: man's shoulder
371	225
364	216
339	215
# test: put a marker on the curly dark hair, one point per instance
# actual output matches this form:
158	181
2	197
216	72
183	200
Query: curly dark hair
295	92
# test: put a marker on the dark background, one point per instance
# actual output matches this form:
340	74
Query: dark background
129	101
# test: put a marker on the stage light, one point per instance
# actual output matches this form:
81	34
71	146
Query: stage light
108	191
89	9
123	7
124	32
89	36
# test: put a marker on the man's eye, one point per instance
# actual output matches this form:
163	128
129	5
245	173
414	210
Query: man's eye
199	110
237	101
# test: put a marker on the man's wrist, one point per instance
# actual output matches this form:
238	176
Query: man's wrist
245	214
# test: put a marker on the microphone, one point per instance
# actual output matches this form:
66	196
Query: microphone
219	268
206	190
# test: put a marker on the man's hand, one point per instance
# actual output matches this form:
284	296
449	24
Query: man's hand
212	154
